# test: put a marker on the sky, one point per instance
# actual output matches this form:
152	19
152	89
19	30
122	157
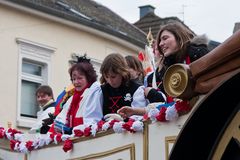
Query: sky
215	18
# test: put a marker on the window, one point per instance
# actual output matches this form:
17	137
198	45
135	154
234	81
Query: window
97	65
95	62
34	70
32	78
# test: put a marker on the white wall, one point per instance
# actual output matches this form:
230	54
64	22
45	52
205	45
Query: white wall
64	38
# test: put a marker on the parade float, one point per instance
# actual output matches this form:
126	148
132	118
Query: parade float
205	128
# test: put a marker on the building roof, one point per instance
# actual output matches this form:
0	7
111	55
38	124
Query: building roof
90	14
236	27
150	20
213	44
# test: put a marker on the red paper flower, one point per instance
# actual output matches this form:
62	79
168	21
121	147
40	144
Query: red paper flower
100	124
13	143
182	107
112	123
145	117
13	131
141	56
52	135
128	125
78	133
161	116
87	131
2	133
59	137
68	145
29	145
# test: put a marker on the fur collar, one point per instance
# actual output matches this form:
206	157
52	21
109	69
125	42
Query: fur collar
201	39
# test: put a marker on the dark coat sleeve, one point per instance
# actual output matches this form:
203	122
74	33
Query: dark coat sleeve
155	96
196	51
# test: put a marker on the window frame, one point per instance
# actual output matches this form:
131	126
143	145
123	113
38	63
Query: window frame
35	53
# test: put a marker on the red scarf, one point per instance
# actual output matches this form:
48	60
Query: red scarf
71	118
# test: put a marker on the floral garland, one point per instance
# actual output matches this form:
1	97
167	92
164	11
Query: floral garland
165	113
168	112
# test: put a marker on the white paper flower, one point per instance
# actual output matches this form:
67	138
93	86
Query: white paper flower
16	147
106	125
66	136
39	142
152	114
171	113
117	127
94	128
23	148
137	126
35	144
8	134
80	127
48	139
19	136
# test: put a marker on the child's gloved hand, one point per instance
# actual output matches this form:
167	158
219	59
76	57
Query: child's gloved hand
112	116
44	129
48	121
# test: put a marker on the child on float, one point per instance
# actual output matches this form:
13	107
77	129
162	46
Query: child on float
137	75
117	87
80	107
135	68
174	44
45	100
